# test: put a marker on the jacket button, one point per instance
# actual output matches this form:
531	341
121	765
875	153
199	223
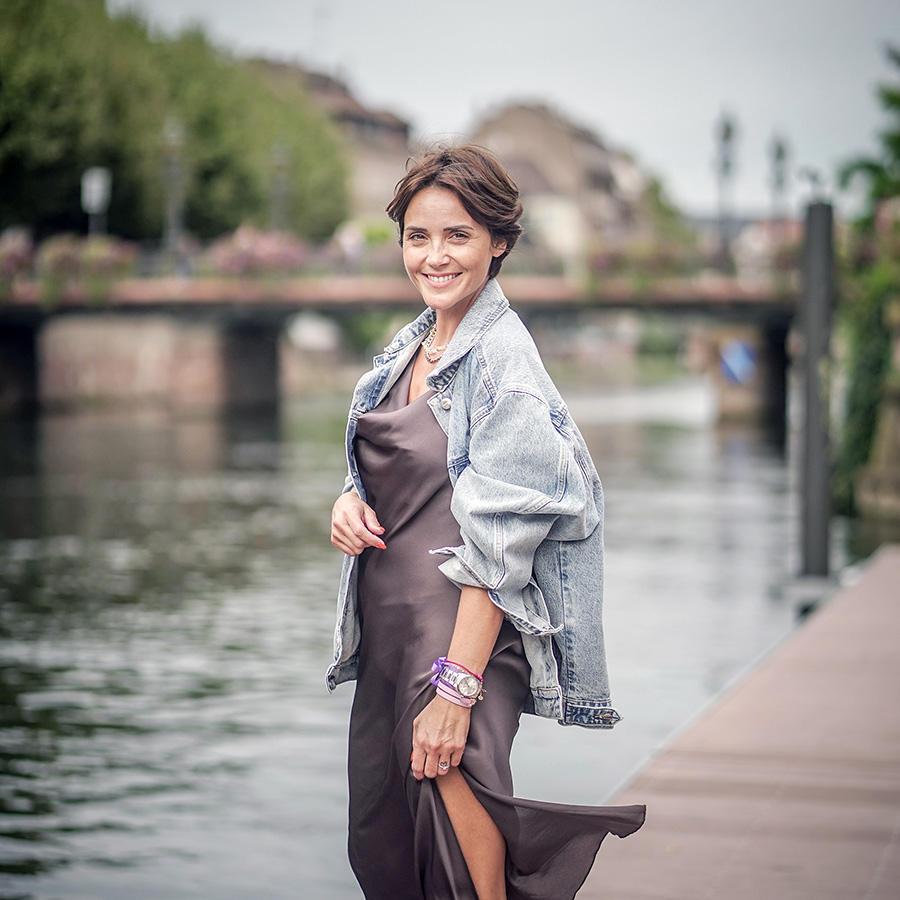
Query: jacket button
446	403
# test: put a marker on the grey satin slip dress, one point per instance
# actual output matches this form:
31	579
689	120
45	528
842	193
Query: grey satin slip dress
401	843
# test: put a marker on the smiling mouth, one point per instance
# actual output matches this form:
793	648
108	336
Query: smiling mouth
442	279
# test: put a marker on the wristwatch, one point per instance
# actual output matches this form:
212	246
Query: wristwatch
467	685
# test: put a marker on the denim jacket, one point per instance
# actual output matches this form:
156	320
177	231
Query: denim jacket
527	498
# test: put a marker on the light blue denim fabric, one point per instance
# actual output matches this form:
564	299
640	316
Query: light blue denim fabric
527	498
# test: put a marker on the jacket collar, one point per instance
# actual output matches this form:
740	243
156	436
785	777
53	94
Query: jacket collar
489	305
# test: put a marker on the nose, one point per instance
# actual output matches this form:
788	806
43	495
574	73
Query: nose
437	253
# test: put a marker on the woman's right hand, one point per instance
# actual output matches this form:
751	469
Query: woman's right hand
354	525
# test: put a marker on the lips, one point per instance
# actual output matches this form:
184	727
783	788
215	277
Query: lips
442	279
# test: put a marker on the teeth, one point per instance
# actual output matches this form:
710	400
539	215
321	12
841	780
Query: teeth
440	279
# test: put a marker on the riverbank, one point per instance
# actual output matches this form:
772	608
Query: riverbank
789	787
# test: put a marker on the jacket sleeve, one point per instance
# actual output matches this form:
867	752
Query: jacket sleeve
523	483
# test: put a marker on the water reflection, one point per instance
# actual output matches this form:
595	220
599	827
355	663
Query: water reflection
166	610
167	603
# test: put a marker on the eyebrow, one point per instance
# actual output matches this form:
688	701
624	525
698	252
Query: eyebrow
409	228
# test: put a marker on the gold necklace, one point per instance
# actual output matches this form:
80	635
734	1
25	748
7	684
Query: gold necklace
432	354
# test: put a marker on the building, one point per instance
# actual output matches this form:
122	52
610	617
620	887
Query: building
377	141
579	194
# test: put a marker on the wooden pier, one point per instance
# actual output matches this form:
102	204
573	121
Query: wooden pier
788	788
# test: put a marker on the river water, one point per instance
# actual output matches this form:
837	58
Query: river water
166	611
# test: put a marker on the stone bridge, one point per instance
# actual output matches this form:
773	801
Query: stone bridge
209	343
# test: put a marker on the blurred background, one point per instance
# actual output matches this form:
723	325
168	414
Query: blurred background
195	267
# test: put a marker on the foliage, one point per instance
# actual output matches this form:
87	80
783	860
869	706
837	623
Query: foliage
666	245
668	224
882	172
646	258
366	329
81	88
76	89
60	257
107	257
16	252
871	280
661	336
65	260
252	252
377	233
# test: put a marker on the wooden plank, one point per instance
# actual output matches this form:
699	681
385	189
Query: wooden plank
789	787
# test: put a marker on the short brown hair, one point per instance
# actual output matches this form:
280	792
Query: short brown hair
483	186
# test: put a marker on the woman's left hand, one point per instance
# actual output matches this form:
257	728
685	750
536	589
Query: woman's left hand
439	735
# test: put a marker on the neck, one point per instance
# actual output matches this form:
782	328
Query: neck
447	320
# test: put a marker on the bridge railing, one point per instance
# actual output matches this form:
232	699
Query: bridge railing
707	291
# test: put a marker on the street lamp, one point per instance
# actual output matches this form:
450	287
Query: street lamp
725	132
96	184
779	154
174	187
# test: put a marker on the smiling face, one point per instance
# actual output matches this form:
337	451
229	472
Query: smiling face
446	254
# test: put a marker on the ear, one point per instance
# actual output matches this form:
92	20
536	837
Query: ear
498	248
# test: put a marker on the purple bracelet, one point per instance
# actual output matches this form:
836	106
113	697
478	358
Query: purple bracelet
448	693
442	663
444	689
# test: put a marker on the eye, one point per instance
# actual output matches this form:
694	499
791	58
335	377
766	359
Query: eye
415	237
461	236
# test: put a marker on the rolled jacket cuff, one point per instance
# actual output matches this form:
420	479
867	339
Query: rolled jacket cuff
510	602
589	715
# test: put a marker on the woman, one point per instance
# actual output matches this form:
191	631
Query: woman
472	585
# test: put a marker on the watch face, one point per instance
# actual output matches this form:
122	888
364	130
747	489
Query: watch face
469	686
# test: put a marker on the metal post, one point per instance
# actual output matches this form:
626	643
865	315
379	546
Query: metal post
818	301
174	186
96	184
726	131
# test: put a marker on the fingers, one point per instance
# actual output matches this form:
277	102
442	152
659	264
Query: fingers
417	764
433	764
371	521
353	541
354	525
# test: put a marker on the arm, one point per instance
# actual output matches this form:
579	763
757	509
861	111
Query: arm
441	729
523	481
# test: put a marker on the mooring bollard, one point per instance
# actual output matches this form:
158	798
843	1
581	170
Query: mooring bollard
816	309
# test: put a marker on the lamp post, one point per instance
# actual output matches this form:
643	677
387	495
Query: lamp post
96	185
174	187
779	155
725	132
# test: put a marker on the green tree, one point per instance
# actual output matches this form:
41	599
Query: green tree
77	89
881	172
871	279
318	168
80	88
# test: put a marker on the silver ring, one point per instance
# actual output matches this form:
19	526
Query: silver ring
444	765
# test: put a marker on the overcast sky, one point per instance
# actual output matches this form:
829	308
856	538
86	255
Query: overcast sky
650	76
